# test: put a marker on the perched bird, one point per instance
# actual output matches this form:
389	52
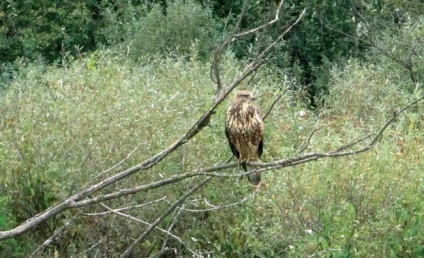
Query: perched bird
244	129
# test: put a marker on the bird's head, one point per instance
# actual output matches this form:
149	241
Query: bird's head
243	96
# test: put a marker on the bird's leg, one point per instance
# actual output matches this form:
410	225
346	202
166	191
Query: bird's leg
244	165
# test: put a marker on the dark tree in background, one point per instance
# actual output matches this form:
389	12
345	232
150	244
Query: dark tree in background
331	31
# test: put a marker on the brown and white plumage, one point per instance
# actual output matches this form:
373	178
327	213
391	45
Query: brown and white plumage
244	129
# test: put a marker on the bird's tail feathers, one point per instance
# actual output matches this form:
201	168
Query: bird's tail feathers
254	178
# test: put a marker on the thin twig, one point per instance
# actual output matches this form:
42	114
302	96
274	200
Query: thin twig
176	214
57	232
114	166
140	239
126	208
220	207
114	211
347	146
92	246
273	104
217	57
276	19
308	141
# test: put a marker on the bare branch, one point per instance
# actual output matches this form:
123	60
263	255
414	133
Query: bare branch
273	104
336	153
57	232
149	186
176	214
217	57
347	146
308	141
283	34
395	115
215	64
140	239
240	17
166	232
126	208
92	246
220	207
114	166
276	19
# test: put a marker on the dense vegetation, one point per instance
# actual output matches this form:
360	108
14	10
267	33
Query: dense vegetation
89	88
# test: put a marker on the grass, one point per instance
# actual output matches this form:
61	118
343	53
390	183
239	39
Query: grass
63	127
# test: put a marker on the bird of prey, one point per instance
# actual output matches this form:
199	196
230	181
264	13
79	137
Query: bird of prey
244	129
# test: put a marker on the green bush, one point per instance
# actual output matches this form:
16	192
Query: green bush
47	28
185	26
63	128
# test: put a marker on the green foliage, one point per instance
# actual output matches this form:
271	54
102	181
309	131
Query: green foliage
389	79
185	24
63	128
52	30
326	34
401	50
32	28
331	32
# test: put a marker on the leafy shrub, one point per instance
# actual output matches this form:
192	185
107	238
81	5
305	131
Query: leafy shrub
61	127
364	90
186	23
33	28
65	127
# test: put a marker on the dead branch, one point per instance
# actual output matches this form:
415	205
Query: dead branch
56	234
114	166
308	141
276	19
339	152
175	215
128	251
125	208
217	57
166	232
215	71
220	207
273	103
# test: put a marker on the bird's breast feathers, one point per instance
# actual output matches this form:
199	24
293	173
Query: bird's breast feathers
244	118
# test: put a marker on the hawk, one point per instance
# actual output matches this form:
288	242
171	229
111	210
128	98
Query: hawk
244	130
